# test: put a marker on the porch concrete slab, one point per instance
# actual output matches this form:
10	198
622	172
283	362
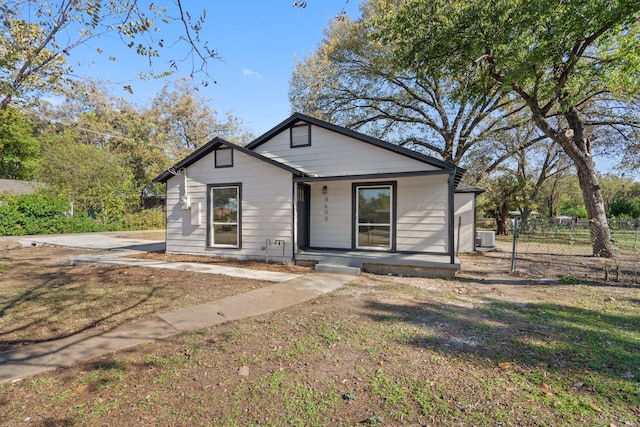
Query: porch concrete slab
256	302
357	258
246	273
379	262
337	269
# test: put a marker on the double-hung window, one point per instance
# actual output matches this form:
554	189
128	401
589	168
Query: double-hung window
224	214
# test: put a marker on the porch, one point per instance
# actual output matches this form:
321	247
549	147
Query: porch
378	262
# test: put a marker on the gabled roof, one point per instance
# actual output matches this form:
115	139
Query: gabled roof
296	117
213	145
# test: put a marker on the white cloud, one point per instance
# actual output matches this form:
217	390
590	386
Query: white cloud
251	73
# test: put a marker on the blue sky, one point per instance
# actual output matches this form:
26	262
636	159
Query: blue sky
258	41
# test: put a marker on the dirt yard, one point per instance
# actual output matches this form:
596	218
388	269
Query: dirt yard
487	348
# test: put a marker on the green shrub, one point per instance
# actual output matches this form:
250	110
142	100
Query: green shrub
625	208
578	212
41	213
36	213
148	219
47	213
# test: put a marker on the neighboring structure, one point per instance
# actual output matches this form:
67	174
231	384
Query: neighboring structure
18	188
465	217
311	191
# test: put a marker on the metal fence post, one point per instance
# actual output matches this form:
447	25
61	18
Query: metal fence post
458	243
513	248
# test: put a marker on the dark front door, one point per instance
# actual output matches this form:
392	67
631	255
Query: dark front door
304	214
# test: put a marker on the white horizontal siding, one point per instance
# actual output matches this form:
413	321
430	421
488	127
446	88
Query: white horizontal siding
464	221
333	154
266	207
422	223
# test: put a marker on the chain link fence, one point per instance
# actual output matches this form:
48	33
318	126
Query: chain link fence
563	248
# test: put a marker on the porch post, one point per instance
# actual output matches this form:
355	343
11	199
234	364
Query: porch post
294	213
452	256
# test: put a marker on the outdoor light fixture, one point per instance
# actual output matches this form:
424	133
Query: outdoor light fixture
324	189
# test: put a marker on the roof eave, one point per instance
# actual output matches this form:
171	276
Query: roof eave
295	117
211	146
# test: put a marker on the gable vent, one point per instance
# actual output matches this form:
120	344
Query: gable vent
300	135
224	157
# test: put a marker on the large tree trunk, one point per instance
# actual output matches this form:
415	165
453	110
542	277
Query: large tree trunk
577	146
501	215
593	201
525	214
5	101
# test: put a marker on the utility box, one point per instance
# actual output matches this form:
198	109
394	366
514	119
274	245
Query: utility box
485	240
196	214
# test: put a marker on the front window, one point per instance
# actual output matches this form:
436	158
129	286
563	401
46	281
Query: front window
373	217
224	213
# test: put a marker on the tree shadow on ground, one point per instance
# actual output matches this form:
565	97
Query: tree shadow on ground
63	304
551	336
517	280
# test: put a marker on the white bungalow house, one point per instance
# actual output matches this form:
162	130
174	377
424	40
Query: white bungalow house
308	191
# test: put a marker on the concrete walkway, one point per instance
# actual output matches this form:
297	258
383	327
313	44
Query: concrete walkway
290	290
246	273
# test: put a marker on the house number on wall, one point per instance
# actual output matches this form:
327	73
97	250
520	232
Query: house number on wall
326	209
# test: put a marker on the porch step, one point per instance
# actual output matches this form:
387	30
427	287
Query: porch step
337	269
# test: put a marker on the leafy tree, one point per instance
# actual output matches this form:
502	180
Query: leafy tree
574	64
532	167
92	179
618	187
561	195
350	80
144	140
38	35
499	199
621	195
624	207
111	124
184	122
19	150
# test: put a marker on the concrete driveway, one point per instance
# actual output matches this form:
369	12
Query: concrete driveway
146	241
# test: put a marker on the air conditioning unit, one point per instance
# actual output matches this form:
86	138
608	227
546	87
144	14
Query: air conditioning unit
486	239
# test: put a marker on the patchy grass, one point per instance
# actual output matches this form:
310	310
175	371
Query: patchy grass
43	297
381	351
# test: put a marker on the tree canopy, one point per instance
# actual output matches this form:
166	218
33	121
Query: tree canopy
350	80
101	151
19	150
574	64
37	36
